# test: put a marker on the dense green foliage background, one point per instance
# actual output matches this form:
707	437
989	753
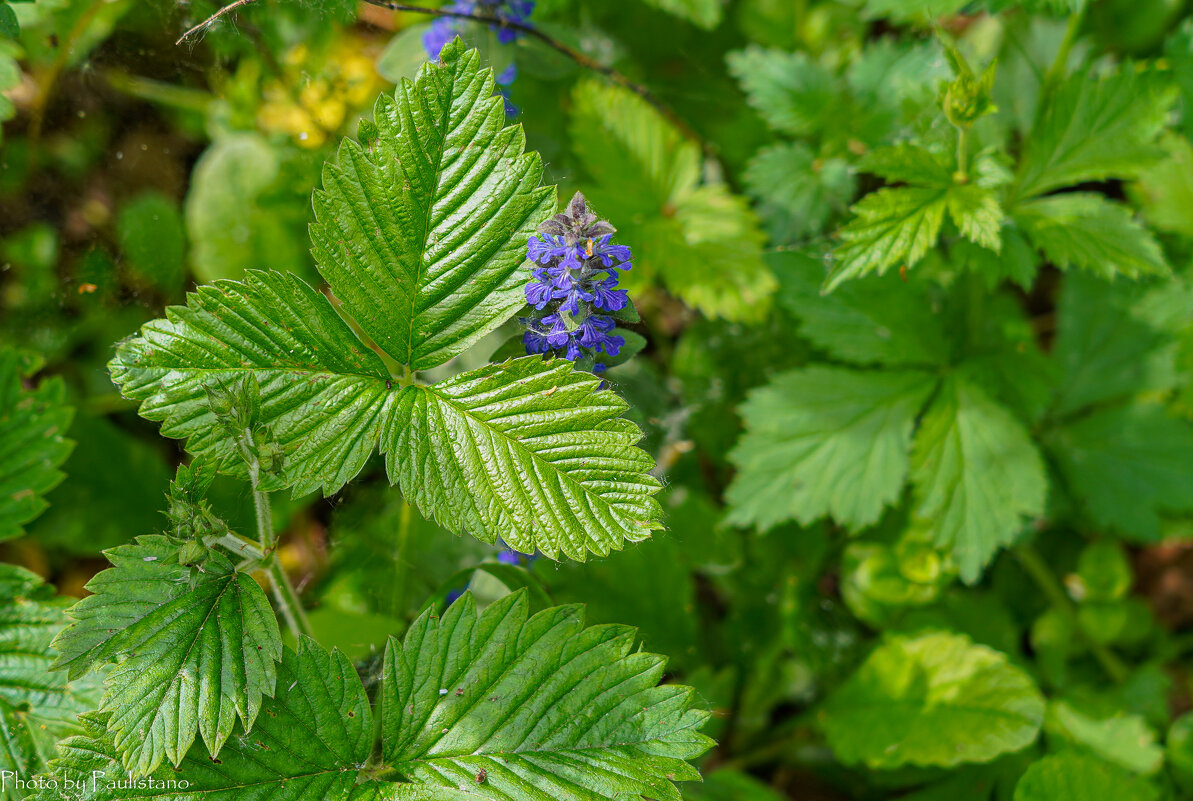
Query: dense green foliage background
914	278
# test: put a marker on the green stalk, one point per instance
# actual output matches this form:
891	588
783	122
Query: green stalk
1050	585
1053	76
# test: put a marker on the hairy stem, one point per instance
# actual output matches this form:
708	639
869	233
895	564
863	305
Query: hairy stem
1050	585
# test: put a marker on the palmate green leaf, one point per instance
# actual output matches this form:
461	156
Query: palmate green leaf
825	441
37	707
529	451
1125	466
1071	776
977	475
193	651
309	742
875	320
1094	129
542	708
1090	232
423	232
33	443
933	699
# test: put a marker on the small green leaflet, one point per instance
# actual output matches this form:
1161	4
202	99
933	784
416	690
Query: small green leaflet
1094	129
422	234
825	441
193	652
37	707
977	475
33	424
933	699
1072	776
495	707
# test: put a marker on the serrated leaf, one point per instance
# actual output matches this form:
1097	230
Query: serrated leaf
825	441
875	320
423	234
323	392
1070	776
526	450
977	214
906	163
793	94
1095	129
1165	190
893	227
309	742
37	707
934	699
543	706
810	190
977	475
192	652
1126	465
1087	231
705	13
33	443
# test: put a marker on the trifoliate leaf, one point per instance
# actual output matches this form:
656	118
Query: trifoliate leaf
825	441
702	241
526	450
1126	465
875	320
1125	740
1071	776
1095	129
932	700
423	234
193	652
977	475
793	94
37	707
540	707
33	443
893	227
309	742
1090	232
705	13
322	391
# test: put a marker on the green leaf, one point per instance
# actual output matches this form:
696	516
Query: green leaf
977	214
1125	740
1070	776
422	235
924	11
1165	190
793	94
37	707
875	320
705	13
727	784
934	699
825	441
526	450
152	240
1094	129
309	742
1087	231
892	227
192	651
810	190
33	425
323	393
906	163
9	26
977	475
543	706
1125	465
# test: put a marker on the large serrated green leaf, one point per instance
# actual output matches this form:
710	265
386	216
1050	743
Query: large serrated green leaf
530	451
322	390
541	708
37	707
826	441
33	425
893	227
192	653
932	699
421	233
977	475
309	742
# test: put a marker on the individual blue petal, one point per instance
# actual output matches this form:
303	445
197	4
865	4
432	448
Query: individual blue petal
611	344
509	557
604	296
442	31
507	75
534	342
573	351
539	295
558	334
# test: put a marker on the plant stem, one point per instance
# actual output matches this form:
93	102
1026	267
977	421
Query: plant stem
288	601
1053	76
962	176
264	512
1050	585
